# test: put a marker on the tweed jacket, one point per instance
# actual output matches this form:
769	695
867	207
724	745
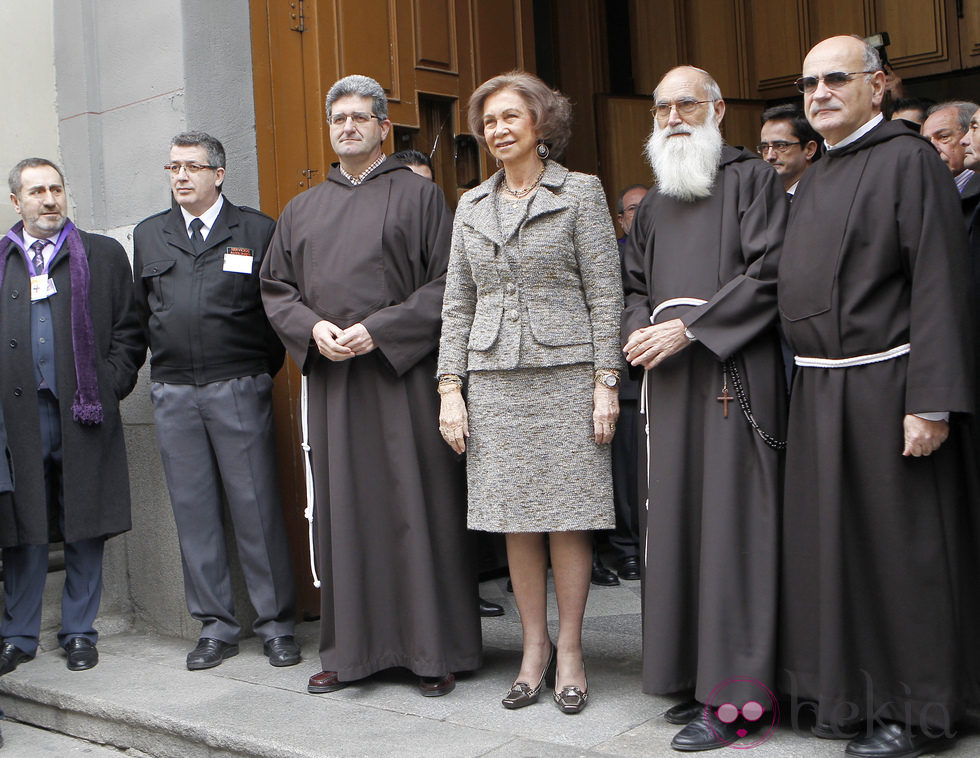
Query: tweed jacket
549	295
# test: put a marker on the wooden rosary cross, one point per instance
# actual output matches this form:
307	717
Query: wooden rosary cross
723	398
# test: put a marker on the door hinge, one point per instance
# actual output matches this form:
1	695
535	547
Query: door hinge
296	16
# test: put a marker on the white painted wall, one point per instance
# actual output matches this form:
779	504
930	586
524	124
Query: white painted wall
29	118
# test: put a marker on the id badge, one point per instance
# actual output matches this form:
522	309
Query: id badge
238	260
41	287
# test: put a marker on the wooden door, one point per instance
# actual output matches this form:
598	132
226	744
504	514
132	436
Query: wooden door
428	55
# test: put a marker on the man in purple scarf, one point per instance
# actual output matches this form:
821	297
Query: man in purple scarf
71	350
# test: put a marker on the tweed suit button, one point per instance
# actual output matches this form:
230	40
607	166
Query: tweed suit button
511	289
513	315
13	343
18	392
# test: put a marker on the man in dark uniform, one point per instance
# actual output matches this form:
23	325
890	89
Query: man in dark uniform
72	350
213	355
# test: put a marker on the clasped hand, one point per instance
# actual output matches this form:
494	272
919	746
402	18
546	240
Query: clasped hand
342	344
652	345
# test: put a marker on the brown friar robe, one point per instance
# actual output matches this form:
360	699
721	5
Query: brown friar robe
398	585
873	604
709	595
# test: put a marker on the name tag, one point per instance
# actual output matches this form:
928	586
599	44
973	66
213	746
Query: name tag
238	260
42	287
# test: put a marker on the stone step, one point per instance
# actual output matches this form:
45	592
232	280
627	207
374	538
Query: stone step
27	741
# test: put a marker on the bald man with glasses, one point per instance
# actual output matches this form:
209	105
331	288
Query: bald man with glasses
878	576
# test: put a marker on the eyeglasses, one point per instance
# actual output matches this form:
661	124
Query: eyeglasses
190	168
833	80
340	119
684	107
780	147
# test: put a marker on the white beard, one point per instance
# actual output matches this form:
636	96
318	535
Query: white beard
685	168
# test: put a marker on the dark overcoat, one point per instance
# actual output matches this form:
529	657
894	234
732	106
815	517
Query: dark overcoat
96	477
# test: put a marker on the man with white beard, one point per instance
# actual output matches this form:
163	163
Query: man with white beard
700	280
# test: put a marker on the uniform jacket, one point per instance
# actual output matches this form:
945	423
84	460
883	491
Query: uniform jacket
203	324
550	295
96	477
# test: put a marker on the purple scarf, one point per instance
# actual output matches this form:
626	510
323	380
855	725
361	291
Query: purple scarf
86	407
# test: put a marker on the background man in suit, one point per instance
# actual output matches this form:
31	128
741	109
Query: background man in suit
72	349
788	143
213	357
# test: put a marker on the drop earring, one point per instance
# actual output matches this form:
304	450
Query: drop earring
542	151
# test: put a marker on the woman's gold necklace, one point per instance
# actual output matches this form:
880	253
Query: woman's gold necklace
524	191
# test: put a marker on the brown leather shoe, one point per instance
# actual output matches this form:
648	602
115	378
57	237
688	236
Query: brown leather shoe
436	686
325	681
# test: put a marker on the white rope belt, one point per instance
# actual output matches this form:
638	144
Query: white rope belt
675	301
308	466
856	360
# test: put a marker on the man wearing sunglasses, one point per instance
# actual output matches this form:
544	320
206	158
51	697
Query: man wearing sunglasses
213	356
788	144
874	280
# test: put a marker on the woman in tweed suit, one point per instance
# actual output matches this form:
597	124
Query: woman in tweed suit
530	327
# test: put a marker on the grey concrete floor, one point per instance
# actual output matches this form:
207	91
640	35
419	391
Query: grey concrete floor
141	698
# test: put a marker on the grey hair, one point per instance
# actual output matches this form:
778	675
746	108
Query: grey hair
964	112
869	57
212	146
711	88
362	86
14	179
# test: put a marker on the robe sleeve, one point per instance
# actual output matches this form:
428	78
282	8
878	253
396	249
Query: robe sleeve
746	305
941	321
290	317
408	331
599	265
458	307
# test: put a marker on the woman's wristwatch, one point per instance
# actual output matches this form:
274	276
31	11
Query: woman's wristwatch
608	377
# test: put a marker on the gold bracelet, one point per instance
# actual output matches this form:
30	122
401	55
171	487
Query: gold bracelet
450	383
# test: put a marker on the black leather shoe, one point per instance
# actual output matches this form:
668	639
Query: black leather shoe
209	653
11	657
602	576
629	569
706	732
282	651
437	686
896	741
848	731
683	713
82	654
490	609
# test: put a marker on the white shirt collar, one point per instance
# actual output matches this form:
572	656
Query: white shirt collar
207	218
856	135
792	189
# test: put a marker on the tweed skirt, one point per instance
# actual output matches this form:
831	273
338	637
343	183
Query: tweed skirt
532	464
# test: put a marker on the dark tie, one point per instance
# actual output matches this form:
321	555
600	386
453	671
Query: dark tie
38	260
197	239
789	196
